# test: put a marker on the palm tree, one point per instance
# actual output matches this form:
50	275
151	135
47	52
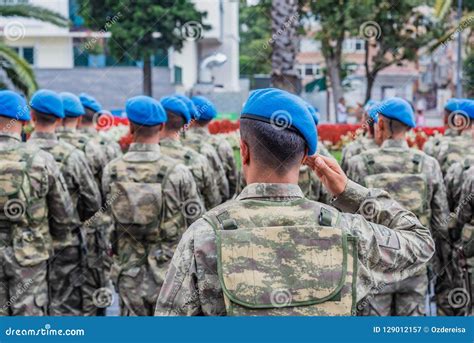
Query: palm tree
17	69
284	42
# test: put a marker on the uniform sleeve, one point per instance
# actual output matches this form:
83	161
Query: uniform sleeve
62	214
392	243
226	155
210	191
453	182
220	175
439	203
356	169
90	198
465	212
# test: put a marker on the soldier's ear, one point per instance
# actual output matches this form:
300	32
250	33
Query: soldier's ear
244	152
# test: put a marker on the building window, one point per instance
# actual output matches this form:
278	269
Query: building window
310	70
178	75
27	52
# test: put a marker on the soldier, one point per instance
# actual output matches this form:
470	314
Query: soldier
35	211
98	227
94	115
69	264
178	116
431	147
199	131
362	142
152	199
453	150
295	263
415	180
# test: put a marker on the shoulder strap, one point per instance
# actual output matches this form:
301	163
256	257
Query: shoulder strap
369	162
417	160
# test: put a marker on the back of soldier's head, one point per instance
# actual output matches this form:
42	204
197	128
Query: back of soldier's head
278	130
397	116
177	113
146	116
13	111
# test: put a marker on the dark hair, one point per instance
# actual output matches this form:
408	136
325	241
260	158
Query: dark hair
144	131
202	123
175	122
272	147
88	117
394	126
43	118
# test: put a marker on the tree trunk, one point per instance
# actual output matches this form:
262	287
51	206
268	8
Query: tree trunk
147	76
370	75
334	73
284	42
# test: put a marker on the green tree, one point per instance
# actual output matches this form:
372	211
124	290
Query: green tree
140	28
468	74
17	70
255	35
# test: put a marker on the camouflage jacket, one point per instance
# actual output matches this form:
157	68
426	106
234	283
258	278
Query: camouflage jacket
391	248
198	144
436	192
431	146
181	204
80	182
465	216
93	151
360	144
454	180
199	166
454	149
52	202
111	148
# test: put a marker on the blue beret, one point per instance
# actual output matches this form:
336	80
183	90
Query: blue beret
177	106
13	105
146	111
47	102
90	102
191	107
452	104
205	108
368	105
397	109
466	106
314	113
272	105
372	111
72	105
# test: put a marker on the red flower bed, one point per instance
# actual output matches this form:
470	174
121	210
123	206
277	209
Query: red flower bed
223	126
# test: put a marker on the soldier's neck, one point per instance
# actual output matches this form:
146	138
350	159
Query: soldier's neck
259	176
45	129
146	140
173	135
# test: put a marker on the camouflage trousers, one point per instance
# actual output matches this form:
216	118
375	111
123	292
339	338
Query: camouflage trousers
66	275
404	298
23	290
138	290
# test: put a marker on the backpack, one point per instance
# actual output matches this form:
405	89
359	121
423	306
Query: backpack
280	265
136	196
23	210
401	175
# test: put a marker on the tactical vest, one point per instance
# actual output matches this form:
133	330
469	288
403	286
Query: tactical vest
23	209
401	175
136	196
276	258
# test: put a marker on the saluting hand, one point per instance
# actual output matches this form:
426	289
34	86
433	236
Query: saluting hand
329	172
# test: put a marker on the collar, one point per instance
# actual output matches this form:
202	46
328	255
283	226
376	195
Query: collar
200	131
9	135
144	147
173	143
87	130
395	143
63	129
44	135
270	190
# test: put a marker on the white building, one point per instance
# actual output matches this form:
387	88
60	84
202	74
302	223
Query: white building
61	62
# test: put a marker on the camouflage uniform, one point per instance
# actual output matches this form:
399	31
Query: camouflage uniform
98	228
454	149
224	151
465	223
36	219
431	146
360	144
69	265
152	199
198	144
193	285
110	147
386	168
199	166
